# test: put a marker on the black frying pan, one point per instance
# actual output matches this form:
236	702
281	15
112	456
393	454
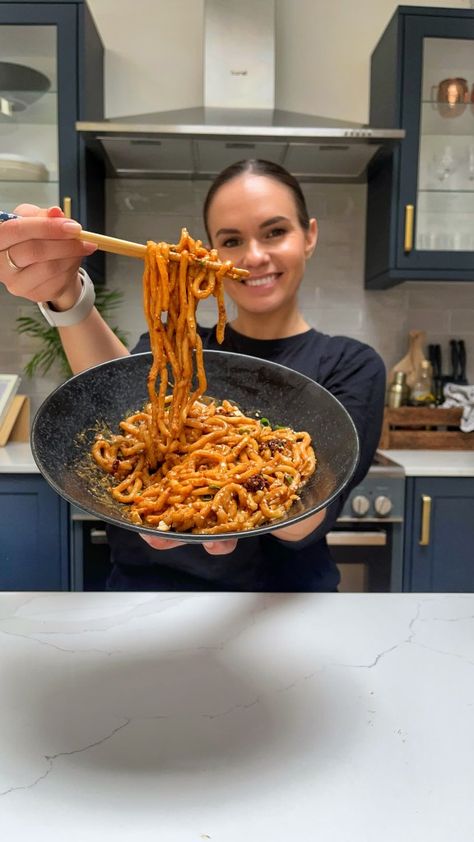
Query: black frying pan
67	421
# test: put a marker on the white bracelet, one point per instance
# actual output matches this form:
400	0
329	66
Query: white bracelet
78	312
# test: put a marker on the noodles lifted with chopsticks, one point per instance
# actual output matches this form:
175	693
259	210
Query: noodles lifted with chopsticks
181	463
175	289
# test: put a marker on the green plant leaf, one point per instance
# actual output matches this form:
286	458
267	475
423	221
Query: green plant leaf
52	352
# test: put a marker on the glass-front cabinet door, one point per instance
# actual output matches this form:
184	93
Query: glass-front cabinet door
445	195
29	161
420	205
436	214
51	75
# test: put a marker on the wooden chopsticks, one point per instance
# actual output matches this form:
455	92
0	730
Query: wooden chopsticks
117	246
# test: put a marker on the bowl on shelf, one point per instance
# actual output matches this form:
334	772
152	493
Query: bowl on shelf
20	168
21	85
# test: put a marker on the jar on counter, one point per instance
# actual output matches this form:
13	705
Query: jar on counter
398	391
422	393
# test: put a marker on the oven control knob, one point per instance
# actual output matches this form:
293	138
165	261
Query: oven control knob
382	506
360	505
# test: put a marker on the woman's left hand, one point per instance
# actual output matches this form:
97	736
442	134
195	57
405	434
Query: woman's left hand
300	530
212	547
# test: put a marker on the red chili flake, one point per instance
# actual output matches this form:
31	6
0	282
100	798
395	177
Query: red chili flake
256	483
274	445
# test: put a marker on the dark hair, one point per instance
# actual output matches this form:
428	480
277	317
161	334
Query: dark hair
257	166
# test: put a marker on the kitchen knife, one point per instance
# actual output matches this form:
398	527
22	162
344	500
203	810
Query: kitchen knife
434	354
462	379
453	377
433	360
439	363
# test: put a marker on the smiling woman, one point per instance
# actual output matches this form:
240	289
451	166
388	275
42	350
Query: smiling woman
256	217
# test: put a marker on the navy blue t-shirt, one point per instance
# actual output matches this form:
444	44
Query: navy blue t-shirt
355	374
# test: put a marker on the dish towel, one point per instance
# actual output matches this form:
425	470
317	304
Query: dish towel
455	395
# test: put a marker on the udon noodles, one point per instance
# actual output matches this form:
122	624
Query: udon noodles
184	462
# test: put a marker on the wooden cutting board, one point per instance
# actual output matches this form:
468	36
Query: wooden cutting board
16	426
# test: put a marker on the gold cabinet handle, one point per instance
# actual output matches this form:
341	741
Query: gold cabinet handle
67	207
425	520
409	219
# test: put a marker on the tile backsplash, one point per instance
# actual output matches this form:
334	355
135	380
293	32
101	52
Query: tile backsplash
332	295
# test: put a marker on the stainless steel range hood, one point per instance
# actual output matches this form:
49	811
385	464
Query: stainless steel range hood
238	119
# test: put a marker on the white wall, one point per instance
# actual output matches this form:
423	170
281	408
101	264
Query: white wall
154	53
324	49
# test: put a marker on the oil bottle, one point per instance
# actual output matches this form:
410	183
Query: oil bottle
422	393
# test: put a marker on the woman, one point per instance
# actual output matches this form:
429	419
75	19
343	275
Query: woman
255	215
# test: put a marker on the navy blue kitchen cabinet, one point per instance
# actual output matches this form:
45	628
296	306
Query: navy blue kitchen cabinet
439	535
420	200
51	75
34	535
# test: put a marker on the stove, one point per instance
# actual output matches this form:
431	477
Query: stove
380	496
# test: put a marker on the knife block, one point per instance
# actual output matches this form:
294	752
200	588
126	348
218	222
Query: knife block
424	428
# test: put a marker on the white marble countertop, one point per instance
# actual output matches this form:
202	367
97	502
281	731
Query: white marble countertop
434	463
17	458
231	717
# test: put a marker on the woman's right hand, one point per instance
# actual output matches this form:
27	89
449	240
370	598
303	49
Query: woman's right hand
43	245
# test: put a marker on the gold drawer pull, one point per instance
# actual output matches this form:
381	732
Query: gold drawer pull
425	520
409	218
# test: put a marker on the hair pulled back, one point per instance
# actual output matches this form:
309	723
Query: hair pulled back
257	166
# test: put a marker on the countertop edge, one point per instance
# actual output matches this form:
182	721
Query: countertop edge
17	458
434	463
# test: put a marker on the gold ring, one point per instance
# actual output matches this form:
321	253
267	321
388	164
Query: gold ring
11	262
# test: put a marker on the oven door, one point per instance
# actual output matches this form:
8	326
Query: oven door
90	553
363	553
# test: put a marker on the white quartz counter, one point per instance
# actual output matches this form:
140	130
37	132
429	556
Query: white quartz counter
17	458
232	717
434	463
